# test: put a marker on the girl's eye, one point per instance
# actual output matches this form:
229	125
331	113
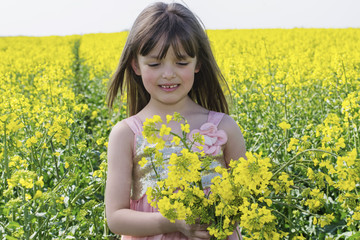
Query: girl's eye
182	63
153	64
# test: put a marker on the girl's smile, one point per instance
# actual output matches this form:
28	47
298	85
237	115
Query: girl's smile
169	87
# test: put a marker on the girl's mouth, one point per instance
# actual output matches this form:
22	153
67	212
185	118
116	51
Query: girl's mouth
169	87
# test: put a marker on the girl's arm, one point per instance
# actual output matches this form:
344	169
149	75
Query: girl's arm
235	147
120	218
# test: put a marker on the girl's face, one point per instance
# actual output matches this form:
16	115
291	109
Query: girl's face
167	80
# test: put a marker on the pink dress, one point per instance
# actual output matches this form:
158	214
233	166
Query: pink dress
144	177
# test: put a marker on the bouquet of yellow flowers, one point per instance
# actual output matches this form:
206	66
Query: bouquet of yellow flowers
237	194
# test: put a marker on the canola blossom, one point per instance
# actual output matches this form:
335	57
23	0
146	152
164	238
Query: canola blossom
294	93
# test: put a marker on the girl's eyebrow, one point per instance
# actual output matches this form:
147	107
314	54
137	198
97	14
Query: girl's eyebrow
151	57
181	56
154	56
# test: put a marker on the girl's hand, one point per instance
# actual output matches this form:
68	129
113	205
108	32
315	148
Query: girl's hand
194	231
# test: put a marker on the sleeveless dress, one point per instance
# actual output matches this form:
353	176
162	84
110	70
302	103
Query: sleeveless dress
144	177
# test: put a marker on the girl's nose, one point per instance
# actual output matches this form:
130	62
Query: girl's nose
168	73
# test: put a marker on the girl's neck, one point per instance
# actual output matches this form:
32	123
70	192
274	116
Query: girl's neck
185	108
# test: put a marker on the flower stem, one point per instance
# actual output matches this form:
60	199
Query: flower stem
54	158
5	155
26	216
294	159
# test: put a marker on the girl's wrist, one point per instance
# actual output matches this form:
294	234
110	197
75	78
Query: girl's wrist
166	226
180	225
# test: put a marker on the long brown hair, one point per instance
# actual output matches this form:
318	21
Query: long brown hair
177	26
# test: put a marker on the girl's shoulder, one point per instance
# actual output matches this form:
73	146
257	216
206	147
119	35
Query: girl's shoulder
223	120
121	143
231	127
235	146
121	130
227	121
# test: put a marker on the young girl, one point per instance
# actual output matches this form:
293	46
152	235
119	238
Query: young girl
166	66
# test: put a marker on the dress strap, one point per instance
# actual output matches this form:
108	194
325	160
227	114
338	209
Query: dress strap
135	124
215	117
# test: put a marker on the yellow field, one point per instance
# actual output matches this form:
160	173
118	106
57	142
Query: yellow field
294	93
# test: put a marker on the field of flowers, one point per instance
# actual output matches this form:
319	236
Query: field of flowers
295	94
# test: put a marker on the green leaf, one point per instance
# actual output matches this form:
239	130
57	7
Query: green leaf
13	225
10	237
355	237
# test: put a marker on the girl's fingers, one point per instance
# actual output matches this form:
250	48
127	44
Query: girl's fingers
194	231
201	235
201	227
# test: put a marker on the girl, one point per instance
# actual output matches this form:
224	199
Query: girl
166	66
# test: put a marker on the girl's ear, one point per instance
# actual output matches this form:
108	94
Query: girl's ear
135	67
197	68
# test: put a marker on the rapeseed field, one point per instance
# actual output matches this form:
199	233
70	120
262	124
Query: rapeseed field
295	94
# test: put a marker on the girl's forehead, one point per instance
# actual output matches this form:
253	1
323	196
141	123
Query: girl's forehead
162	49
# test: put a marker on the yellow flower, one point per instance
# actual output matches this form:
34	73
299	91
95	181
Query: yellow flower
38	194
38	134
40	182
176	140
94	114
27	183
100	141
31	141
60	200
315	220
284	125
177	117
292	144
143	161
168	118
164	130
268	202
356	216
185	128
160	144
27	196
18	143
157	119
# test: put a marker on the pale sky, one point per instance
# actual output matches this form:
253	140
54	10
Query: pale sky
66	17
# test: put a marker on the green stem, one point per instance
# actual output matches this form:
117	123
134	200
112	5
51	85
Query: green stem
154	168
286	119
355	136
33	236
26	217
294	159
89	188
182	139
344	71
105	233
279	148
200	185
94	220
54	158
5	155
297	207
